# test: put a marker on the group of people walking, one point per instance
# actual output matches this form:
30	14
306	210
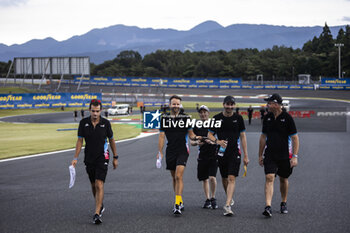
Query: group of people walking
222	147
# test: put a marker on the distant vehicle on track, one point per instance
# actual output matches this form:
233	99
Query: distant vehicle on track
119	109
285	104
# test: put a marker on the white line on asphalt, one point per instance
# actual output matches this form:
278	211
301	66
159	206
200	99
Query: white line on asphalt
142	135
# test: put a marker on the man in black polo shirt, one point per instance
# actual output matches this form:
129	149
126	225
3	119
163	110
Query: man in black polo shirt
250	114
262	113
207	161
177	150
95	130
278	149
229	135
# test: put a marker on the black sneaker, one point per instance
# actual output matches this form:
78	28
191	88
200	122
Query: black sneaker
207	204
284	209
177	210
268	211
97	219
213	203
102	210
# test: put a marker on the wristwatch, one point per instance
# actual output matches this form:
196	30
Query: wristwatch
294	156
115	157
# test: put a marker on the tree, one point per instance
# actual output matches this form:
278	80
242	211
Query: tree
326	42
318	57
4	68
128	58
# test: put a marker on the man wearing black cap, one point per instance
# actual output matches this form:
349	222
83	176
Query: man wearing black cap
95	130
207	161
229	135
278	154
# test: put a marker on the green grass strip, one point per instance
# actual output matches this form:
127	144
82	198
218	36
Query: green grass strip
25	139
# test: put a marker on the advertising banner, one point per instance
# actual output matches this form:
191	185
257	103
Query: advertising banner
211	83
46	100
335	81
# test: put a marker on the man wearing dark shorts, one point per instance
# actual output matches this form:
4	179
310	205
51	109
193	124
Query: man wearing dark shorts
207	161
177	150
262	113
82	113
229	135
278	149
95	130
250	114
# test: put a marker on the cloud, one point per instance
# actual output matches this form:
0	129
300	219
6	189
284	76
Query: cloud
9	3
346	18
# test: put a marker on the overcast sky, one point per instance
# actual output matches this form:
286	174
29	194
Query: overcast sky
23	20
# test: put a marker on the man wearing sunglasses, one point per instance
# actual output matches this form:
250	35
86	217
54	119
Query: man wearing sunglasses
278	149
95	130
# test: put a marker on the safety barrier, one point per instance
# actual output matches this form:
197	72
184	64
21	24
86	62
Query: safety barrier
211	83
52	100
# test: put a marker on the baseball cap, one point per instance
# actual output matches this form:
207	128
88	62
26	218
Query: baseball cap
274	98
203	107
229	99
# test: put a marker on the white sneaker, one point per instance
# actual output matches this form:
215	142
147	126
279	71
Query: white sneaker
232	202
182	207
228	211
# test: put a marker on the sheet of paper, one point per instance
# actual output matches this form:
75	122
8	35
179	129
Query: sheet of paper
72	176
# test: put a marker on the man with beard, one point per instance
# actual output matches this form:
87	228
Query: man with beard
278	151
229	135
177	150
95	130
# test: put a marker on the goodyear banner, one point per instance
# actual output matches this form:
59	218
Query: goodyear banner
211	83
334	87
160	82
44	100
153	104
335	81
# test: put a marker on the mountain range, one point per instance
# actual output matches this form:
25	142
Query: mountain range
106	43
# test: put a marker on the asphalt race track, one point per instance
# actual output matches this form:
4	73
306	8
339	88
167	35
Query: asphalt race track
34	194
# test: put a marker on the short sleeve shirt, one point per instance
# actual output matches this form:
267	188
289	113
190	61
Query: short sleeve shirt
206	151
278	135
230	130
262	112
176	136
250	111
95	138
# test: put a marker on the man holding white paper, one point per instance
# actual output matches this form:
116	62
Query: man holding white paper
177	150
72	176
95	130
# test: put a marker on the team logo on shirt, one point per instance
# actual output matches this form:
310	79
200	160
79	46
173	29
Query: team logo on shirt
151	120
283	120
234	121
102	126
86	125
